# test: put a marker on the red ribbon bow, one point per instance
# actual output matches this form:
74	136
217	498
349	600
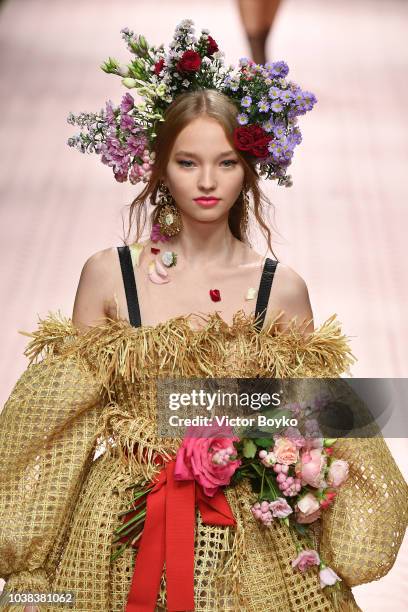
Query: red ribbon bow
168	537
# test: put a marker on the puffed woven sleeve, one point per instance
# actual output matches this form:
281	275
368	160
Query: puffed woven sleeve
363	530
47	439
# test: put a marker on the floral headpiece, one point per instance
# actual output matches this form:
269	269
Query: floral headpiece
268	104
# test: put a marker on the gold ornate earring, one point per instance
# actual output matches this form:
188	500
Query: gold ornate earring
245	209
169	216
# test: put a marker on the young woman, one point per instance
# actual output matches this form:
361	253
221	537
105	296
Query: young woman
206	176
193	301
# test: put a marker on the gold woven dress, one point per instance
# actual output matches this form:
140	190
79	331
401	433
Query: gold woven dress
59	506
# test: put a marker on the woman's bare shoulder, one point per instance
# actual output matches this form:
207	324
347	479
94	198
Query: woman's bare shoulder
97	279
289	293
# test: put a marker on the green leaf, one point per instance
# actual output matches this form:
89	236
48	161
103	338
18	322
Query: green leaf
249	449
264	442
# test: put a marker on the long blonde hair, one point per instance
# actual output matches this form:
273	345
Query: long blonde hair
178	115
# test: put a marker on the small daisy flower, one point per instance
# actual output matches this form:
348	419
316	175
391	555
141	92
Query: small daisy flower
242	119
268	125
286	96
274	93
246	101
263	106
276	106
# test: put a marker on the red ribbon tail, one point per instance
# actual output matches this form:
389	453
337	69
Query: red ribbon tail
150	558
180	524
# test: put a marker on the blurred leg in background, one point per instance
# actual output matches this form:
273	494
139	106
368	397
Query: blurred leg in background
257	17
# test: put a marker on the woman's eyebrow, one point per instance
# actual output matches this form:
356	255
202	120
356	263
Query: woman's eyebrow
190	154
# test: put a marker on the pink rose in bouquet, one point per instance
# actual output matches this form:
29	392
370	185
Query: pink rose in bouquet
211	461
338	472
305	559
307	509
285	451
328	577
311	467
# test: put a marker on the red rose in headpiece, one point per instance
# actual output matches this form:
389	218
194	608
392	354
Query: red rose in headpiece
212	46
190	61
158	67
253	139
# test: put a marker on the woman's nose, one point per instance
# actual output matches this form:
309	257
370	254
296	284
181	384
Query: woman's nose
206	179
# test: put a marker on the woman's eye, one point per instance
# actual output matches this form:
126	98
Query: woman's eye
227	163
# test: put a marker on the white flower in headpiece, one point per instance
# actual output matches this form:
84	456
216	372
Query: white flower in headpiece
219	55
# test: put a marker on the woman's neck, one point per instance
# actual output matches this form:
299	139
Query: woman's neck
205	244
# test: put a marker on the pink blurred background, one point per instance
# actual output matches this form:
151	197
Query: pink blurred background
342	224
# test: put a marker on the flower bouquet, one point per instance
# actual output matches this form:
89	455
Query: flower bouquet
294	477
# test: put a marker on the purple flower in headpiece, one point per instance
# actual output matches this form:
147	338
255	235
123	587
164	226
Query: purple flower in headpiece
113	154
127	103
263	106
244	61
136	144
246	101
286	96
309	100
304	101
268	125
274	93
276	106
109	113
242	119
127	122
279	69
121	175
279	129
295	136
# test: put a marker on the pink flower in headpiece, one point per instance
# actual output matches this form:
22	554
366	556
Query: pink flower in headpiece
127	122
127	103
211	460
121	176
136	144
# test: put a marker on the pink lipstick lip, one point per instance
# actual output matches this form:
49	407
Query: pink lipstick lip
207	202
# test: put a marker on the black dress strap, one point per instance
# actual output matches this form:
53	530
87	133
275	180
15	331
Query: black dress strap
265	285
129	282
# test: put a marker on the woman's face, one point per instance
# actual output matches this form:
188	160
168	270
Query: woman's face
204	173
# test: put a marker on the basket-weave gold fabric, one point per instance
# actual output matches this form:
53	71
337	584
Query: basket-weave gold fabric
59	506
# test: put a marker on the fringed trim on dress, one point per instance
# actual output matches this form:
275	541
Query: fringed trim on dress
115	349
